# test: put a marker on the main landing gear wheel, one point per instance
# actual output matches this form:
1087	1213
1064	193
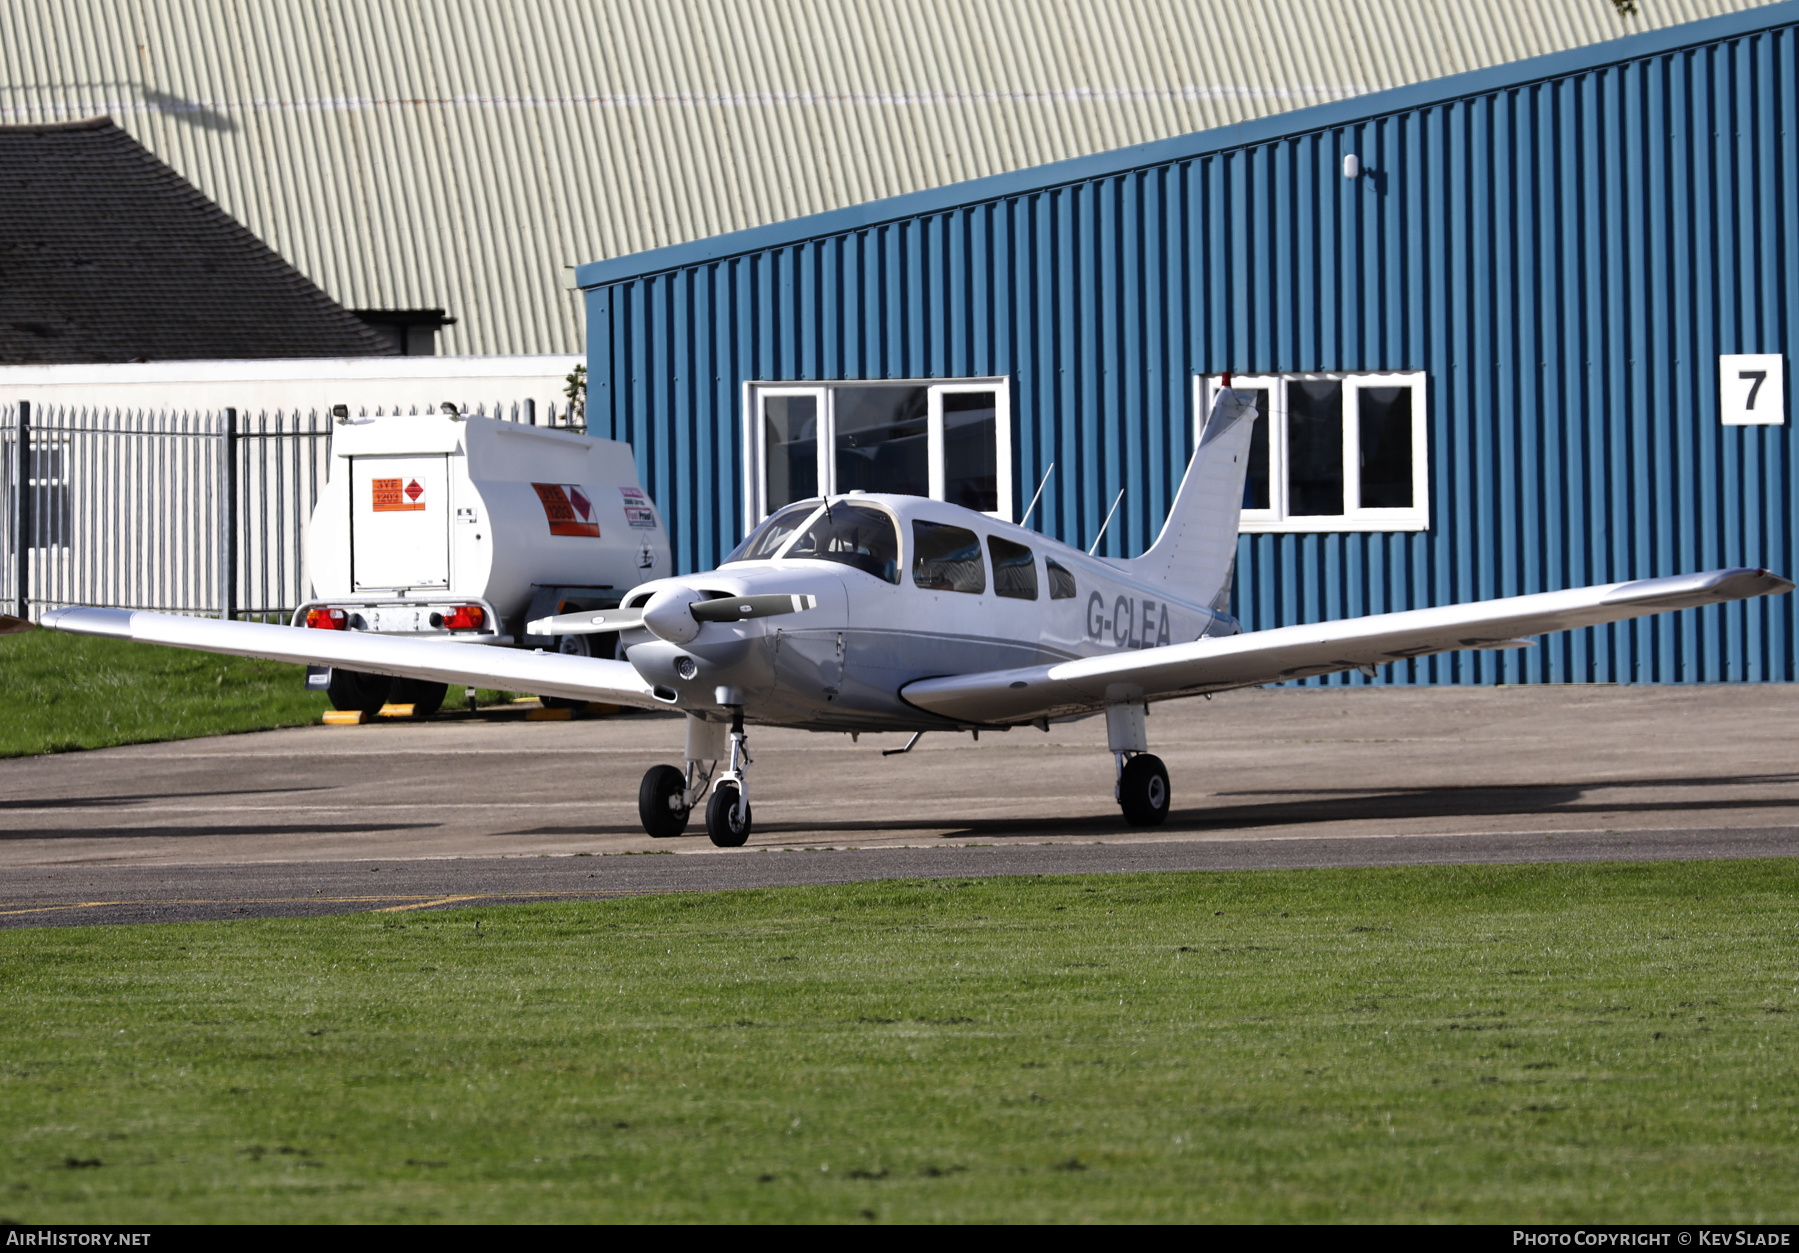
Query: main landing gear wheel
659	802
721	817
1143	791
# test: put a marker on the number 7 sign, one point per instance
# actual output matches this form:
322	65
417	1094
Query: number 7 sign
1752	389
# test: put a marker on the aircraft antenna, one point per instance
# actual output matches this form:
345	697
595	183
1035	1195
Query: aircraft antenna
1116	501
1040	486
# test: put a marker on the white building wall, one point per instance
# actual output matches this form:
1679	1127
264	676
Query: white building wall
364	384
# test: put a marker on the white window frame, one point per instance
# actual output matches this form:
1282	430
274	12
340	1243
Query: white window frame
755	507
755	463
1275	519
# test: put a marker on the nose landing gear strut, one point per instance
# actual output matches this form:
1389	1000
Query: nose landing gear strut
728	812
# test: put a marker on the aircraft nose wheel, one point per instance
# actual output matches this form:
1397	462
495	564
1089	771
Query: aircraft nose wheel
722	823
659	802
1143	791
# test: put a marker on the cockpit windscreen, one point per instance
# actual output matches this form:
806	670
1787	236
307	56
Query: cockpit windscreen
766	540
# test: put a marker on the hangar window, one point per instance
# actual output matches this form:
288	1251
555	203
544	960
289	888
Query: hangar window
1332	452
948	440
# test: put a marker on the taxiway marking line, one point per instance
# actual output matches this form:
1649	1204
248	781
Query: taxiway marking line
442	900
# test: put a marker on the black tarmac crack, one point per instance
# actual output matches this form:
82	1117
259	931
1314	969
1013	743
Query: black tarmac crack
88	894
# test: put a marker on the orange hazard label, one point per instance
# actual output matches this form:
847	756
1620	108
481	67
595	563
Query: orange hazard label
398	495
568	508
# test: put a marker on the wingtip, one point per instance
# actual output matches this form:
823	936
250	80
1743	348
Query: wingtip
1778	585
87	620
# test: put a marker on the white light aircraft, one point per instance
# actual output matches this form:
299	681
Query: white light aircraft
897	613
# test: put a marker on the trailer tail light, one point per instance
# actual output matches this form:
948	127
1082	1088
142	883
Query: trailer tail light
465	618
328	619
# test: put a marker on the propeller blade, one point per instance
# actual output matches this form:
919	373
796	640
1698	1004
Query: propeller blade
10	625
737	608
586	622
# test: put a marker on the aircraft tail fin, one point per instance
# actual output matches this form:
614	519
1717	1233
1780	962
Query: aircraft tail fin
1197	550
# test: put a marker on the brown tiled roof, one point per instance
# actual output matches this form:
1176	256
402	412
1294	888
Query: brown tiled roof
107	254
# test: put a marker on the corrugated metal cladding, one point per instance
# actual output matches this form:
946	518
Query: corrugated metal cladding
459	153
1564	245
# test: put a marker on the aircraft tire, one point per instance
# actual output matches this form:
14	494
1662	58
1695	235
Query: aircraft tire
721	818
660	820
1143	791
425	697
353	690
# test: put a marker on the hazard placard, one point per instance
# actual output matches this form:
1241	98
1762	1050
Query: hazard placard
569	509
638	512
398	495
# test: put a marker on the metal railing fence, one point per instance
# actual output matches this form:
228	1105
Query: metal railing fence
198	513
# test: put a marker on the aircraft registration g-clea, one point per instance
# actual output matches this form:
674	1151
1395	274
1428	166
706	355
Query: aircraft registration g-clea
897	613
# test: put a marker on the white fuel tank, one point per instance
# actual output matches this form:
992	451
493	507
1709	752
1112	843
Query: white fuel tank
439	506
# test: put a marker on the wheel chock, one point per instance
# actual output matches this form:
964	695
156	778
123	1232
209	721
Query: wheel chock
549	715
345	717
395	711
602	710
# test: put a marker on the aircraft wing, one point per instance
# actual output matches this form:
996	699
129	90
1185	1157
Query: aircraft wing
1297	652
510	669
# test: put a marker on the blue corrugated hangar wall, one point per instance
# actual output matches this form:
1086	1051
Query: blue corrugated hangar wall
1564	245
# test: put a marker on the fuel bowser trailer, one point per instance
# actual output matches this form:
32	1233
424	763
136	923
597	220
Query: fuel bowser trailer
466	528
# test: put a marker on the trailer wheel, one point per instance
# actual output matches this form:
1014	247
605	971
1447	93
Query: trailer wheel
353	690
425	697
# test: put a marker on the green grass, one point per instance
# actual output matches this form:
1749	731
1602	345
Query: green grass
1517	1044
64	692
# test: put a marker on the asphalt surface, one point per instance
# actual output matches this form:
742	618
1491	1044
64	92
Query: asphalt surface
402	817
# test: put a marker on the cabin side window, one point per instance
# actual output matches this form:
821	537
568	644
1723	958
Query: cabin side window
1061	582
1014	569
947	558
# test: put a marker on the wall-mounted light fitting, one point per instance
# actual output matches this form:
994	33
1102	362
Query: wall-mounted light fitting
1352	166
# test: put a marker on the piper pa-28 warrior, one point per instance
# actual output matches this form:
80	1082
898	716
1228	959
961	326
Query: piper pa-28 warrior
871	612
